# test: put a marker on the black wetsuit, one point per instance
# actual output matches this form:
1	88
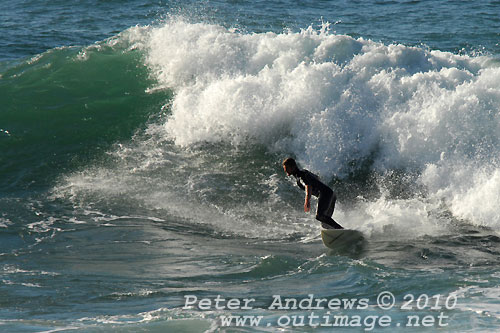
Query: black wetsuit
326	197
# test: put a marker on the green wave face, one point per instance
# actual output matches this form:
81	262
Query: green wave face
66	106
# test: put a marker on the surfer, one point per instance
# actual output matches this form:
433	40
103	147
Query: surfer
310	183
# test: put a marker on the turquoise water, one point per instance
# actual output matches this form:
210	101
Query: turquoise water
141	147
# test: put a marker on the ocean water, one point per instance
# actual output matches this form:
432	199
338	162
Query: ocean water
141	185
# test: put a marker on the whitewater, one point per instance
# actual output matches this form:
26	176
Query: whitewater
339	104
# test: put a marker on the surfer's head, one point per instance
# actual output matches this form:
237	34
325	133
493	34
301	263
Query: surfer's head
290	166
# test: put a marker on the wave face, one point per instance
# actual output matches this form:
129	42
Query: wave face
409	137
62	108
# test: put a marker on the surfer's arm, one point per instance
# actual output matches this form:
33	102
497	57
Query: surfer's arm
307	203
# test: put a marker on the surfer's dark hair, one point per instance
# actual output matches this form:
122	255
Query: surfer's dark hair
290	162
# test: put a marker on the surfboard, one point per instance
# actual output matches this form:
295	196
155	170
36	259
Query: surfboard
338	238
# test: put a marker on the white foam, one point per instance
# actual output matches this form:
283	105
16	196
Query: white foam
471	190
331	99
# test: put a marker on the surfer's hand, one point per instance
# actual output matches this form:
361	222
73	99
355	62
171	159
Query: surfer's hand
307	206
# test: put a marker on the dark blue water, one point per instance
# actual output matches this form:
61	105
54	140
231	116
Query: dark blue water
31	27
140	164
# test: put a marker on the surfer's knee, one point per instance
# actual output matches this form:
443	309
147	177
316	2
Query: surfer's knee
323	218
328	220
